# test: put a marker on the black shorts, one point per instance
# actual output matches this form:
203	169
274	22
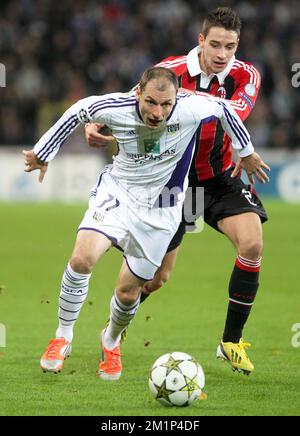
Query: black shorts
223	197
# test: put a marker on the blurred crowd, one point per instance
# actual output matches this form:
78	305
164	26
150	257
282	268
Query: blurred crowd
58	52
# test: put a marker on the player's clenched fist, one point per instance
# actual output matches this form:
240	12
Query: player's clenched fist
95	138
32	163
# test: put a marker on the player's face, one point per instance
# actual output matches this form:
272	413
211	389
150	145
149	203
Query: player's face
217	49
155	106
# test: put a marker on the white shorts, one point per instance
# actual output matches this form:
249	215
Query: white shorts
143	234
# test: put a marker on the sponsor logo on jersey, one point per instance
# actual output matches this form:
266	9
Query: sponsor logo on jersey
152	146
173	128
141	158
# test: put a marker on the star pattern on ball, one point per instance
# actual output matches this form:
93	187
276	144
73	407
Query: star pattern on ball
172	364
191	385
162	391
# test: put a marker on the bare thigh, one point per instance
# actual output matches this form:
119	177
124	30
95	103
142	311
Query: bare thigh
89	247
245	232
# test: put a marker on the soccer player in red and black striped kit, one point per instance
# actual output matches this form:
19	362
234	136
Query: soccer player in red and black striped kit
230	206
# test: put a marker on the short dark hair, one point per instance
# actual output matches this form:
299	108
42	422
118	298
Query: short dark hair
222	17
159	73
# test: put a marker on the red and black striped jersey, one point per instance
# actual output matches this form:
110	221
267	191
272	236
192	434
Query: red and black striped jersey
239	83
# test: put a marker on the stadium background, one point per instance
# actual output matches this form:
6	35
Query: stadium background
55	53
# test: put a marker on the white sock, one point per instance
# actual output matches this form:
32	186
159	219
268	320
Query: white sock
120	318
74	290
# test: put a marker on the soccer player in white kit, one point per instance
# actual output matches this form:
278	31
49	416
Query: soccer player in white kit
136	204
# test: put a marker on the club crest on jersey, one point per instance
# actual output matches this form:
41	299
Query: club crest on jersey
98	216
221	92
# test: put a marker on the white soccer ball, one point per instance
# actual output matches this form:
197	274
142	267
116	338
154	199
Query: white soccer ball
176	379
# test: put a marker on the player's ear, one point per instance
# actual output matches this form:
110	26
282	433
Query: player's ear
138	92
201	39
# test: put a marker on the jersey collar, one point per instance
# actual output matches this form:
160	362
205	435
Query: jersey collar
194	68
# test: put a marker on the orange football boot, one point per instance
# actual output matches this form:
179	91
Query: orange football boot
56	352
110	366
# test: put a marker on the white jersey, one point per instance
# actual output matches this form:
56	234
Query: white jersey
149	160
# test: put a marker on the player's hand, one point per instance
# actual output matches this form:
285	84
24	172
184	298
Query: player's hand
33	163
96	139
254	166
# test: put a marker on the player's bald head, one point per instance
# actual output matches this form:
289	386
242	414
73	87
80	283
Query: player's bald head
156	95
163	77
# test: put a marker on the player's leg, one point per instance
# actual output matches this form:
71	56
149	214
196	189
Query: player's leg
245	232
123	307
162	275
89	247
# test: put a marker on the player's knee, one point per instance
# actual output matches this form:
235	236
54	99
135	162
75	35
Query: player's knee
251	249
82	264
127	300
128	296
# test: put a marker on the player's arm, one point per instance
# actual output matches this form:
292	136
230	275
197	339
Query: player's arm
48	146
249	160
246	93
95	138
93	134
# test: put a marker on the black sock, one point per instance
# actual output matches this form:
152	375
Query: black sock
234	326
243	287
144	296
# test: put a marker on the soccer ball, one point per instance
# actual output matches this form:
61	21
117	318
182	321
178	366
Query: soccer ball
176	379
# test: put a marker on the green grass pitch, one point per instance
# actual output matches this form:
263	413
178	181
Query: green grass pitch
187	315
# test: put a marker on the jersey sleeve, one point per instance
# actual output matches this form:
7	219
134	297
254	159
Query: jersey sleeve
234	128
245	95
206	108
166	62
175	63
91	109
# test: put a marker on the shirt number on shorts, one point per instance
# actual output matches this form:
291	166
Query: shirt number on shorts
248	196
